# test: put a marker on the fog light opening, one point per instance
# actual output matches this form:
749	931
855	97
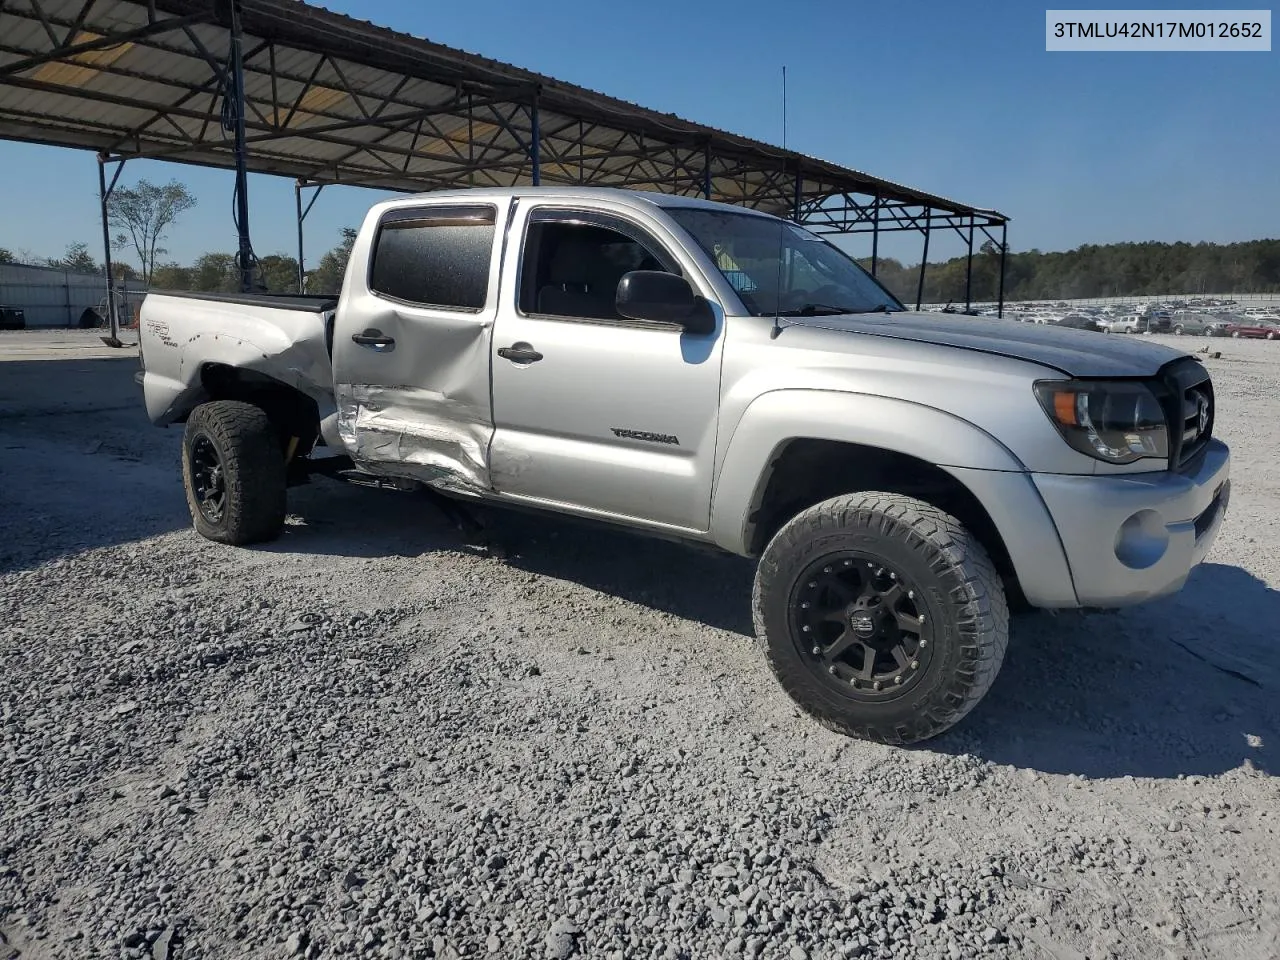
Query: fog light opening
1142	540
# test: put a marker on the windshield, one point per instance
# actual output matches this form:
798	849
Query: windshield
776	266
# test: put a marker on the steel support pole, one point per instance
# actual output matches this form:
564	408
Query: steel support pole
968	269
706	172
535	150
104	194
1004	251
297	202
235	83
924	258
298	186
875	238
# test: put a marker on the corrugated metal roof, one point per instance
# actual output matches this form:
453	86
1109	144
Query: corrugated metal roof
334	99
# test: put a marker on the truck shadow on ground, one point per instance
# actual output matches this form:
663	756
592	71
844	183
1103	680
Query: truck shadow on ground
704	586
80	466
1183	686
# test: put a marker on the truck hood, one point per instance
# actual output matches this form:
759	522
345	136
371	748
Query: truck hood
1077	353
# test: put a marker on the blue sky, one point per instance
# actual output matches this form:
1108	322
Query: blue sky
957	97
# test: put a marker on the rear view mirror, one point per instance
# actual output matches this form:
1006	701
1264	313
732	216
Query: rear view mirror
658	297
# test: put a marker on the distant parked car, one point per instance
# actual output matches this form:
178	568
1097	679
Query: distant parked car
1256	329
1194	324
1128	323
12	318
1079	321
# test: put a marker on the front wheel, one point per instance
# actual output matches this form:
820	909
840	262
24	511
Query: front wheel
1178	331
234	473
1271	336
881	616
1236	334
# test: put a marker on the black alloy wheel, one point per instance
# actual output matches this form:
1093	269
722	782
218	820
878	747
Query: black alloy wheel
208	482
856	624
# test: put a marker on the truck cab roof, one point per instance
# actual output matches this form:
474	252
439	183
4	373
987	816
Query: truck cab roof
638	199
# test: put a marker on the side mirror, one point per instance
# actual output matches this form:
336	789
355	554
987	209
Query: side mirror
659	297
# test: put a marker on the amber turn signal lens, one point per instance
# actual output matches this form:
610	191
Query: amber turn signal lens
1064	408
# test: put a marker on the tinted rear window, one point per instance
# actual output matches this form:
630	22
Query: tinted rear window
436	256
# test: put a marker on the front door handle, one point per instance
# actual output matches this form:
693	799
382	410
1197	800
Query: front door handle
373	338
520	353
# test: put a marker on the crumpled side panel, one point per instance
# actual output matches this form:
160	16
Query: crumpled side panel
409	431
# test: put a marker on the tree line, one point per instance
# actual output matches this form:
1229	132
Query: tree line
1094	270
143	214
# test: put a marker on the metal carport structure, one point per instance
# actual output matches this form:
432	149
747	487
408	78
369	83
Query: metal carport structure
282	87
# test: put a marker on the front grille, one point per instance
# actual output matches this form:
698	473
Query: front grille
1197	420
1189	404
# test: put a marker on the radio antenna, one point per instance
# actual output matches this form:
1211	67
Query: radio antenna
784	106
777	303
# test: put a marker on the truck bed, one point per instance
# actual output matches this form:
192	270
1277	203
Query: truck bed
312	303
184	334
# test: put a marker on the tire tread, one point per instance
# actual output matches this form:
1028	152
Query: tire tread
253	471
946	543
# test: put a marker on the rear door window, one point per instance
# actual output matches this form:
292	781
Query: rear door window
435	256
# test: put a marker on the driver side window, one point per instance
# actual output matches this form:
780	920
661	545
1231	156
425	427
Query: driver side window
571	268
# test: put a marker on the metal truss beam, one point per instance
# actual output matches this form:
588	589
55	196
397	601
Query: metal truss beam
448	128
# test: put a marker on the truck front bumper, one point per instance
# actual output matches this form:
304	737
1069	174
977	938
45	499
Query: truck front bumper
1132	537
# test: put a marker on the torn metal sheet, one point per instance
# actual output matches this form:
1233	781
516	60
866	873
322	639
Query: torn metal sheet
423	433
416	404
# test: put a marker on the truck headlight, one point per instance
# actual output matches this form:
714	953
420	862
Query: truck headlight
1117	421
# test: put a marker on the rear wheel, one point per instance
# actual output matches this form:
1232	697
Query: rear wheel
1178	330
881	616
234	473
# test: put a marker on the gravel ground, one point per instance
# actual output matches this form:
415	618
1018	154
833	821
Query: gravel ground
367	739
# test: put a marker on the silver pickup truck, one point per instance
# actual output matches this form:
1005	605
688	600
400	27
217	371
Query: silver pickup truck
705	372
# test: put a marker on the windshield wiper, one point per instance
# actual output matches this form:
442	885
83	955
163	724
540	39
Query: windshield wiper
816	310
878	308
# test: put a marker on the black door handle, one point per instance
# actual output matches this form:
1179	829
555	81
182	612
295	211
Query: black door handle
373	338
520	353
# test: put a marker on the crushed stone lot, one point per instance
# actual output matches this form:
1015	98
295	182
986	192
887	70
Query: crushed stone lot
368	739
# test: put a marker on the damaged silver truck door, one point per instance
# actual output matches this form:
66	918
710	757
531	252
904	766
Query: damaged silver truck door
596	413
411	349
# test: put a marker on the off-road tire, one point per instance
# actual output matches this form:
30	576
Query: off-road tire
253	472
961	594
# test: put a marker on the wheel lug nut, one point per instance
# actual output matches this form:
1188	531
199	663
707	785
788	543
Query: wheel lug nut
911	594
848	563
806	628
817	651
804	605
898	678
831	670
893	576
826	569
923	643
915	664
922	618
876	685
812	584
